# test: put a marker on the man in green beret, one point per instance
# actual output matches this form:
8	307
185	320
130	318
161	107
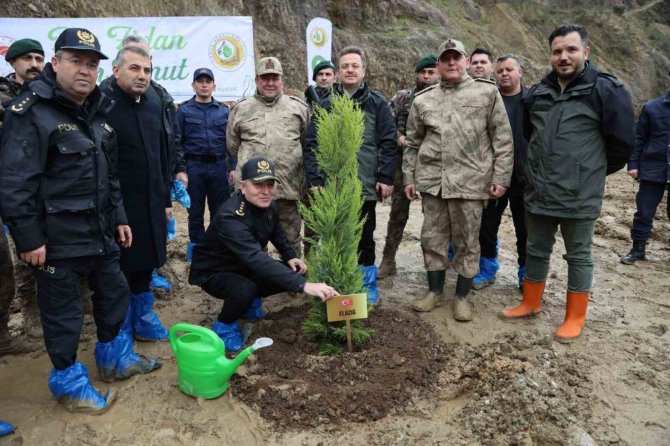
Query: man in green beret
26	56
324	76
426	75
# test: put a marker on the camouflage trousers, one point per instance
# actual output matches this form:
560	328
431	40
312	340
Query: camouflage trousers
455	219
289	217
398	216
6	279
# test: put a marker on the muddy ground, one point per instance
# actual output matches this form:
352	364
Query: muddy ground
423	380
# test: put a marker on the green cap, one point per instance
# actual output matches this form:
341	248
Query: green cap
322	66
23	46
427	61
452	45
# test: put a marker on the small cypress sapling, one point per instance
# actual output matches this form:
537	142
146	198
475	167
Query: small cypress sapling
334	216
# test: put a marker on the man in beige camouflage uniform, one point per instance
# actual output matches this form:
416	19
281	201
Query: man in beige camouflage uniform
458	154
272	125
426	75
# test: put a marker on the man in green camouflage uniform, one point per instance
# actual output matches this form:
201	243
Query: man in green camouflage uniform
17	279
426	75
272	125
458	154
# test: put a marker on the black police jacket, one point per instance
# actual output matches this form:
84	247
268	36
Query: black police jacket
235	241
58	182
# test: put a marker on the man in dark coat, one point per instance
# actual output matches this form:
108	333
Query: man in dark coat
580	127
145	174
232	263
60	197
377	157
650	165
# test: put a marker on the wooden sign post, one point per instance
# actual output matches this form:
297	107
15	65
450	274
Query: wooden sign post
347	308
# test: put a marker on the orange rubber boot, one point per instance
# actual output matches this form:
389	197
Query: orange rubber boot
575	315
531	303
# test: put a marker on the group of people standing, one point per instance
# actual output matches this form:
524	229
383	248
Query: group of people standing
86	174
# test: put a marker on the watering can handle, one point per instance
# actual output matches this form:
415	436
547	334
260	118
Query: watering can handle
206	333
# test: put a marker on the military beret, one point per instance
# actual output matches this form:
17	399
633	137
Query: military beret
23	46
427	61
322	66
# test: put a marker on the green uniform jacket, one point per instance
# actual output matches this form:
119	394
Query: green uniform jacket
577	137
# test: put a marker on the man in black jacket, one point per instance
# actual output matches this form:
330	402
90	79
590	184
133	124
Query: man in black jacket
60	197
145	174
231	262
377	157
580	127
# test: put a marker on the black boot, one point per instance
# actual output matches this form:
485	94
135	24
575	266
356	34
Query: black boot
463	285
433	298
637	253
436	281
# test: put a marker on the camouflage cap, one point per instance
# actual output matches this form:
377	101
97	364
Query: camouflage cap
268	65
451	45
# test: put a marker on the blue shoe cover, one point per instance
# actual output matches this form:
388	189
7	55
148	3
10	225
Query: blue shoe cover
172	228
451	253
160	282
72	388
116	360
189	252
5	428
255	310
488	268
370	283
146	324
230	334
520	275
178	193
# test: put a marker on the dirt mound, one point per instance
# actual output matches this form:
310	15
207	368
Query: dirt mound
294	387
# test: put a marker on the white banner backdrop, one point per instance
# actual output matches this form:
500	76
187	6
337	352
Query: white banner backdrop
319	43
179	45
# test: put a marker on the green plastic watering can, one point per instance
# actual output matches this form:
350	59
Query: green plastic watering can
202	365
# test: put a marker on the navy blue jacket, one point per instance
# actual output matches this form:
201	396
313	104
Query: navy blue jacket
203	131
651	155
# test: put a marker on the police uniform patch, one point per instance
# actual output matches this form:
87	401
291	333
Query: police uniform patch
264	167
86	38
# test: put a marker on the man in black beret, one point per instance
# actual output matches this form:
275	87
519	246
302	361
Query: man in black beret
231	262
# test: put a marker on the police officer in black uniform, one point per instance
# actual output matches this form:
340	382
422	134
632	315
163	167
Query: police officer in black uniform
60	197
231	262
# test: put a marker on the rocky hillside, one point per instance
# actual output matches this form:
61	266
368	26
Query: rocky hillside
629	38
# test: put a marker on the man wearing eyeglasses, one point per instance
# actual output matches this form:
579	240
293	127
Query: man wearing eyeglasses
60	197
26	56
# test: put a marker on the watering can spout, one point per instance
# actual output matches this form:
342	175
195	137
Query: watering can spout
229	366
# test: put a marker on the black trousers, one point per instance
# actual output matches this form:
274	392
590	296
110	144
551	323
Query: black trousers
138	281
366	247
238	291
647	199
491	217
62	309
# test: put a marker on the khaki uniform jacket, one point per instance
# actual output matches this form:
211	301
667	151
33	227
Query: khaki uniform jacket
459	140
274	130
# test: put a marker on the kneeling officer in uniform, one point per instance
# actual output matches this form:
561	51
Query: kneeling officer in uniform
60	197
231	262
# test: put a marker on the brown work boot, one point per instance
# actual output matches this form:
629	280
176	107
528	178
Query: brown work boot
32	324
387	267
575	316
428	302
531	303
10	345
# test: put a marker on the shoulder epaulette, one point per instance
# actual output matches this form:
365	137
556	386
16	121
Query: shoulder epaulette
488	81
419	93
611	78
240	209
23	102
297	99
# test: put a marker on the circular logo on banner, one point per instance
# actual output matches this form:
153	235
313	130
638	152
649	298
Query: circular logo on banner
227	52
318	36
